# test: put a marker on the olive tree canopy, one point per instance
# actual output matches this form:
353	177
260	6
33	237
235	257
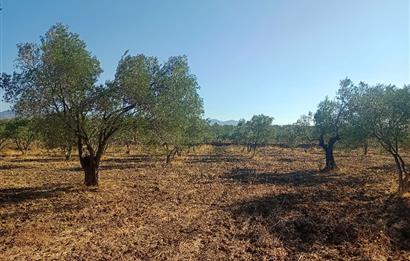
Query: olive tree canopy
384	112
331	120
57	79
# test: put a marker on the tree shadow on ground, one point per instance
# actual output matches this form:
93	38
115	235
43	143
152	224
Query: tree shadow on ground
21	205
11	167
323	210
214	158
30	213
49	159
117	166
385	167
131	158
303	178
123	166
19	195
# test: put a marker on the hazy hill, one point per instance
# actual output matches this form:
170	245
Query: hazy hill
6	114
219	122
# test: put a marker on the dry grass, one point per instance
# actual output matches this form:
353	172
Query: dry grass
211	205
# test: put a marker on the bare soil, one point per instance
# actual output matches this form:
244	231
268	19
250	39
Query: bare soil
216	204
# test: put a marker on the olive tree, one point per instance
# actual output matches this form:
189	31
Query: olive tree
357	134
223	134
286	135
134	133
255	132
299	133
407	140
3	134
177	107
241	134
331	121
53	134
21	132
198	133
59	76
385	112
303	129
261	130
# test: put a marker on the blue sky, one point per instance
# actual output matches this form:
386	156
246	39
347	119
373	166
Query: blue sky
277	57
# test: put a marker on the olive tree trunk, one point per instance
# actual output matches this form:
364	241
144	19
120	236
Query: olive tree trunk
330	159
171	155
253	149
128	148
90	162
404	176
90	167
328	149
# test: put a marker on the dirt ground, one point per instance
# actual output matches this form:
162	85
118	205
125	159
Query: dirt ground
216	204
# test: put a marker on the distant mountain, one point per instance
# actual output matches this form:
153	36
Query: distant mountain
229	122
6	114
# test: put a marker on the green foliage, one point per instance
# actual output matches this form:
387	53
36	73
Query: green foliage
299	133
285	135
21	132
356	135
58	78
134	133
57	75
55	82
260	130
54	134
304	129
222	134
332	120
199	132
55	93
327	118
177	108
332	116
3	134
254	133
407	140
385	111
242	132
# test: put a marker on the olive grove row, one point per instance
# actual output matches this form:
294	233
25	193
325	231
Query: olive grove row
60	103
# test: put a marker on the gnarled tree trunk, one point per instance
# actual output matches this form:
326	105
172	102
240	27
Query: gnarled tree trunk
404	186
328	148
128	148
90	167
330	159
171	155
404	176
249	147
253	149
90	162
